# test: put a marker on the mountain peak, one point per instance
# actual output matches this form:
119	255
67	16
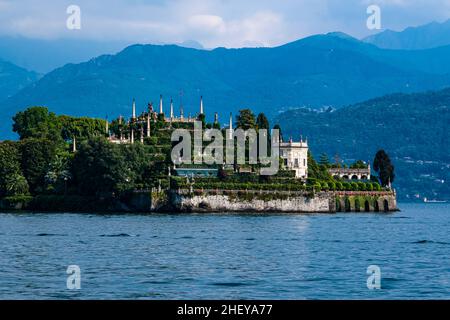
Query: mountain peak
341	35
430	35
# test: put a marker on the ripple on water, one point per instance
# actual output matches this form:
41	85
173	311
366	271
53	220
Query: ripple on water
230	284
207	256
430	242
119	235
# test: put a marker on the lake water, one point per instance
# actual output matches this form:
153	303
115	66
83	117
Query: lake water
227	256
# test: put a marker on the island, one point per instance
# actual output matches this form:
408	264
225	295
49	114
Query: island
78	164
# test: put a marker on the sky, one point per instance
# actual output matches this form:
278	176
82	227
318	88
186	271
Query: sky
213	23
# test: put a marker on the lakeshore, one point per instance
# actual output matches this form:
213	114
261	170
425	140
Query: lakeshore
216	201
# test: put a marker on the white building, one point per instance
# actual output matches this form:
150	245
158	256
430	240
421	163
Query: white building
295	157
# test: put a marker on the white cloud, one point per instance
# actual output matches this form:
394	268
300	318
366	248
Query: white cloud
231	23
207	23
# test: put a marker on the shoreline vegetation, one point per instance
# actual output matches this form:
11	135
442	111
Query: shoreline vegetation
67	164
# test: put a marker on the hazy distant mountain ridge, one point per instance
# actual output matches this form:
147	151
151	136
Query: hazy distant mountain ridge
332	69
427	36
13	79
412	128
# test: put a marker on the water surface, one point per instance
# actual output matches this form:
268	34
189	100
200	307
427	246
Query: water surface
227	256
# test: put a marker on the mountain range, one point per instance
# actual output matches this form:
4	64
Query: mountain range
13	79
426	36
323	70
411	128
313	86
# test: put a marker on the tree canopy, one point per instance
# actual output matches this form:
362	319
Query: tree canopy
246	119
39	123
262	122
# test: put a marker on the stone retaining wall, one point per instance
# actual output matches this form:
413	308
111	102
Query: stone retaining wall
303	202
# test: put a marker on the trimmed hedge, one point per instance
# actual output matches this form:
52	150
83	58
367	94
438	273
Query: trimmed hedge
280	185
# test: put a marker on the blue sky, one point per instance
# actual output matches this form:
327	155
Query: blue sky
228	23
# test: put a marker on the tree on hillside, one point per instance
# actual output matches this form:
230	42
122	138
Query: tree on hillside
262	122
99	167
358	165
12	181
316	171
77	129
36	156
383	166
277	127
202	118
37	122
324	160
58	173
246	119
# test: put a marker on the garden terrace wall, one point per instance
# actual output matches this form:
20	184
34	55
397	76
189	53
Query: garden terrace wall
209	200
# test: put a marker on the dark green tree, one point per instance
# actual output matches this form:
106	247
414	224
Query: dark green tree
277	127
262	122
138	158
201	117
246	119
36	156
37	122
58	174
12	181
383	166
100	168
358	165
81	128
316	171
324	160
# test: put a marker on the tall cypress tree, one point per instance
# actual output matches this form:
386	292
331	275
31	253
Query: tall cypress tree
383	166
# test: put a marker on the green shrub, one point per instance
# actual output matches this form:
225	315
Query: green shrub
12	201
376	186
332	185
361	186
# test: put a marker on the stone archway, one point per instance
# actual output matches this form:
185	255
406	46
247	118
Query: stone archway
345	177
385	205
376	206
357	205
366	206
354	177
338	206
348	206
363	177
